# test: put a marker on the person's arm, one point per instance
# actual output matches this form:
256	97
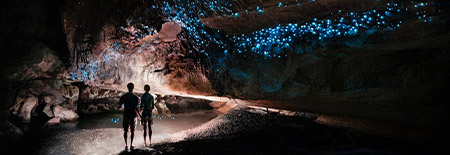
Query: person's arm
153	103
142	103
120	103
137	109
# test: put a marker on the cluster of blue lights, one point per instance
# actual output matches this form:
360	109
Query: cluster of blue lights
86	72
422	14
272	42
115	120
90	70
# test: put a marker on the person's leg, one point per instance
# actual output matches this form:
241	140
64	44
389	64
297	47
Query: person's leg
125	136
150	132
132	137
125	132
132	127
144	123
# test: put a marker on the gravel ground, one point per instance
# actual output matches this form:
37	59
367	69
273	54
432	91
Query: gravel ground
249	131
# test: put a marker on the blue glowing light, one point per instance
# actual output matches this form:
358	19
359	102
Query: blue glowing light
115	120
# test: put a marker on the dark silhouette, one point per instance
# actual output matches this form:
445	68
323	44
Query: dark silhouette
130	102
147	104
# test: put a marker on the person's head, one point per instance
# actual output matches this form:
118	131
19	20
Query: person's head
130	87
147	88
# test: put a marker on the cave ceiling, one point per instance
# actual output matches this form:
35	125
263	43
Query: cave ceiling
247	16
269	27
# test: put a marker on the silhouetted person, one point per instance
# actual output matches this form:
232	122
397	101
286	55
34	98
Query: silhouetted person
130	102
147	105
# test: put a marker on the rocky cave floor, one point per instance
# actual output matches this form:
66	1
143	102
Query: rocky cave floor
243	130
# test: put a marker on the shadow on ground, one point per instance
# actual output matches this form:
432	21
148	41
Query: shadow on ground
139	151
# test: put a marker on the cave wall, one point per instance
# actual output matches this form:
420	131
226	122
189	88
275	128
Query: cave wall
385	60
112	45
33	54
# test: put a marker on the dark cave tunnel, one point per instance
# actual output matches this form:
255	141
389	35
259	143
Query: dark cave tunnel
227	76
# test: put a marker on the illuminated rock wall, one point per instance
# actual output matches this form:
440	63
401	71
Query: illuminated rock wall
131	45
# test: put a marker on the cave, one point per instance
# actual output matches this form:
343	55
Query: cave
226	76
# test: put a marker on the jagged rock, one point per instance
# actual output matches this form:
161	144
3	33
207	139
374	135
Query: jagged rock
91	109
170	99
155	111
26	108
28	105
162	109
84	95
95	99
35	61
64	114
51	87
168	33
48	111
21	96
186	104
98	105
54	121
70	105
71	92
90	93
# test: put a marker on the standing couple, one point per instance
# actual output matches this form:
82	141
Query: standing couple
132	111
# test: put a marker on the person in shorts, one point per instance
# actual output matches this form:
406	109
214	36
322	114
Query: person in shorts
130	103
147	105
